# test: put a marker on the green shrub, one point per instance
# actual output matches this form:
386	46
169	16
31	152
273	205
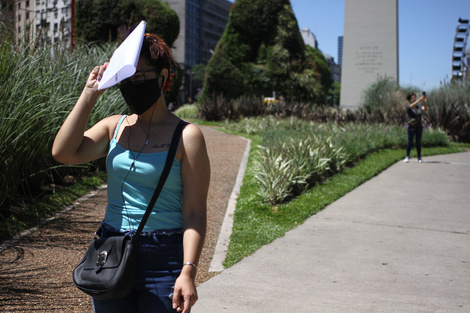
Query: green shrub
384	102
218	108
187	111
249	106
287	168
296	154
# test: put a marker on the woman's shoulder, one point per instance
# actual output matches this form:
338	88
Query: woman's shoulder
114	118
192	132
112	121
193	138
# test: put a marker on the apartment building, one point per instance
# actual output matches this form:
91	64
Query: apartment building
48	21
202	23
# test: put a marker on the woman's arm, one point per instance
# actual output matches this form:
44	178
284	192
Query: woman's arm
425	106
412	105
196	176
74	145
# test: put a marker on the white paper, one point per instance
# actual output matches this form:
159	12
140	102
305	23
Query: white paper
123	63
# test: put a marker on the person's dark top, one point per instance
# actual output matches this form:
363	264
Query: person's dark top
414	115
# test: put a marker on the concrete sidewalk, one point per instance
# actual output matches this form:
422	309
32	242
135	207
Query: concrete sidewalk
398	243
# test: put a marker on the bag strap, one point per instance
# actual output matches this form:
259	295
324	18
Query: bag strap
169	161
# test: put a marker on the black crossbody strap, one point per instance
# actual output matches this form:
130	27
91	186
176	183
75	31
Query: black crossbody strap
169	162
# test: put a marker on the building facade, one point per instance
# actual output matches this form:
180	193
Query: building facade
48	21
335	68
370	47
202	23
309	38
53	22
25	17
340	51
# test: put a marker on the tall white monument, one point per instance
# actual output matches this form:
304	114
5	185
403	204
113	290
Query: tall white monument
370	47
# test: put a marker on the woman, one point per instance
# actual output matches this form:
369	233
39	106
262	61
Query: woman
415	127
136	147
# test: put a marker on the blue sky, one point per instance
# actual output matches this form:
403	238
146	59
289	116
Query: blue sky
426	30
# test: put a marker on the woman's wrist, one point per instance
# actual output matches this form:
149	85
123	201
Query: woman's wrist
89	97
190	269
190	264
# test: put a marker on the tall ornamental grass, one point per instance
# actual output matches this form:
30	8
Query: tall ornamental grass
449	108
38	88
383	102
295	155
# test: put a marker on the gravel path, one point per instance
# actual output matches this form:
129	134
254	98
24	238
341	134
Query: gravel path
35	273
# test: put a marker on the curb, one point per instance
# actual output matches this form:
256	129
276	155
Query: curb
221	247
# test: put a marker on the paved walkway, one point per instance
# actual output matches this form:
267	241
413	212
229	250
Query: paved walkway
398	243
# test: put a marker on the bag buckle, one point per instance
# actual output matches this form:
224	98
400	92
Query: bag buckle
102	258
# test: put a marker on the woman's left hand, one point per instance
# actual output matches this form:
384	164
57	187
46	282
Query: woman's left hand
184	294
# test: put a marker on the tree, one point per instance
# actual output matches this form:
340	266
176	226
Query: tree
99	20
262	51
121	16
161	19
318	63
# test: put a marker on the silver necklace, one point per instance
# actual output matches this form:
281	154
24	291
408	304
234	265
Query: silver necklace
143	129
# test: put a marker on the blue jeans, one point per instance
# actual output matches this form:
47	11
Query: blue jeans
414	131
159	263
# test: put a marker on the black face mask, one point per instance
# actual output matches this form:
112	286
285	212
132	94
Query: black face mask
141	97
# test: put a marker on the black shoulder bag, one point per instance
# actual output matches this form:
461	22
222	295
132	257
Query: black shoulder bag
108	267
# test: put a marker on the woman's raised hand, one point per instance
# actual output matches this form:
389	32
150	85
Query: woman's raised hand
95	77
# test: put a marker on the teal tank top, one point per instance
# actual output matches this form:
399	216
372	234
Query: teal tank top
130	189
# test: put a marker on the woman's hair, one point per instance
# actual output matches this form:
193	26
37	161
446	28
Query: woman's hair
411	94
157	53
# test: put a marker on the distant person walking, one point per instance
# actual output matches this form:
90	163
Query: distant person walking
415	126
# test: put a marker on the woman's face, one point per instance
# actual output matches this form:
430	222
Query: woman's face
143	89
413	98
